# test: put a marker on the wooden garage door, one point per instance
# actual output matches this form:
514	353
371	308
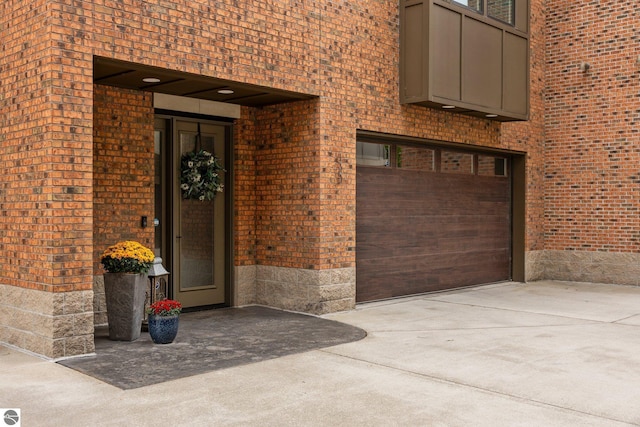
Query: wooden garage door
429	219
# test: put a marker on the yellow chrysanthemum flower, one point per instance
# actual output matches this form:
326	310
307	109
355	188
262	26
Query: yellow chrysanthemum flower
127	257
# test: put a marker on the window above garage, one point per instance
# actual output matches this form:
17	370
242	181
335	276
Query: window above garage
466	56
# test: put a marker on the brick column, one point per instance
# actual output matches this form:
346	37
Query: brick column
298	266
46	190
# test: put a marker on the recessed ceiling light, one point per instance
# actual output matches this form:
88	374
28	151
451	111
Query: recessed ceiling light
151	80
225	91
491	115
448	107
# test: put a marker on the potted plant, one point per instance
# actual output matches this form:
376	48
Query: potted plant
163	320
125	283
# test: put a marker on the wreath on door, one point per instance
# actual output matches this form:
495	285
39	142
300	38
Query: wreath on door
200	175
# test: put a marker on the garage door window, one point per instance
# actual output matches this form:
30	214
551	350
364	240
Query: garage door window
456	162
492	165
372	154
415	158
430	159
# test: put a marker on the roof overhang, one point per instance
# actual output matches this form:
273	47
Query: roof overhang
130	75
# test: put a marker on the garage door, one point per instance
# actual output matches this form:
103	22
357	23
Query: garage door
429	219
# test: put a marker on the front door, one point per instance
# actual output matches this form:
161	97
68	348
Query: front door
195	230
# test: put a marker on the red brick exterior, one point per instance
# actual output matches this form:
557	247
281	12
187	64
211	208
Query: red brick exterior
78	157
123	168
244	212
45	137
592	175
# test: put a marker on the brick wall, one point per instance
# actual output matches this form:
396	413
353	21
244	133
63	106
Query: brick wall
244	179
46	188
592	172
351	60
123	173
45	193
295	212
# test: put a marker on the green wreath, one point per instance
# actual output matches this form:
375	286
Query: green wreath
200	178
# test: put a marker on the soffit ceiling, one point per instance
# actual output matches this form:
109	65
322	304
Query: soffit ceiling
129	75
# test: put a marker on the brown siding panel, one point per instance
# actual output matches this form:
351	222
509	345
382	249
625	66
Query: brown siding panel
414	41
445	52
516	54
465	61
482	64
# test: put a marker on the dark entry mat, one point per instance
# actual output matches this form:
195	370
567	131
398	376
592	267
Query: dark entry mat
211	340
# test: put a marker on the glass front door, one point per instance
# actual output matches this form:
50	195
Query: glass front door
194	230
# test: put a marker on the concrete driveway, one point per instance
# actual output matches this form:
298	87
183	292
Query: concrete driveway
537	354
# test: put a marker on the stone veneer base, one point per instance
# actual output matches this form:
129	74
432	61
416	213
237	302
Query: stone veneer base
244	286
307	291
53	325
621	268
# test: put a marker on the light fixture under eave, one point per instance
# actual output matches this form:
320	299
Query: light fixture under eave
151	80
490	116
225	91
448	107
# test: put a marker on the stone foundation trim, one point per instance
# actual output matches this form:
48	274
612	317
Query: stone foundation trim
621	268
244	285
533	266
53	325
307	291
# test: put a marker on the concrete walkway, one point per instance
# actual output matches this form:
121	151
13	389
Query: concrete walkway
538	354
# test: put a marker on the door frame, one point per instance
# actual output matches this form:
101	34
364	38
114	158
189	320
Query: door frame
170	118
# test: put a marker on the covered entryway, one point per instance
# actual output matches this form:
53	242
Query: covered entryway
430	218
187	113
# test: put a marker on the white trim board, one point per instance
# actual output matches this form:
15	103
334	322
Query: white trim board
195	105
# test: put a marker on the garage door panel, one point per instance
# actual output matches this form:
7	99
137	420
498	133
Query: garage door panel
423	231
426	235
432	206
391	277
429	199
423	247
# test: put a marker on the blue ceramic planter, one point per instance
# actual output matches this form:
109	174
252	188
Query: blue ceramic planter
163	329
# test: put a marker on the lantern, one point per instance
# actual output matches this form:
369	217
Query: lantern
158	286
